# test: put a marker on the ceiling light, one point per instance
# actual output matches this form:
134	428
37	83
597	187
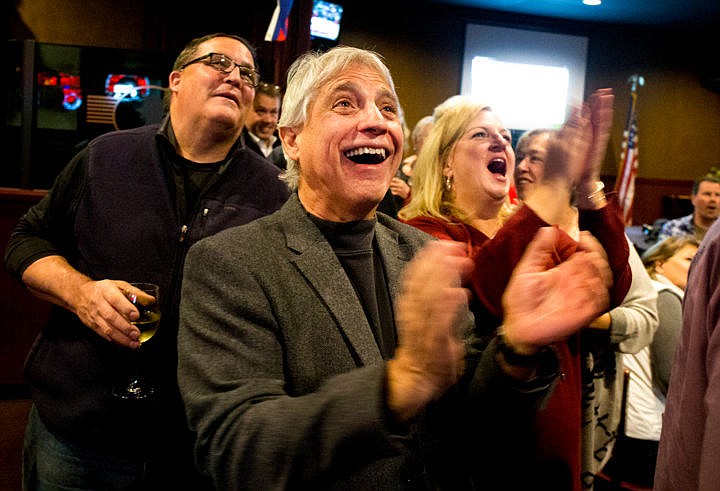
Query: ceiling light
592	2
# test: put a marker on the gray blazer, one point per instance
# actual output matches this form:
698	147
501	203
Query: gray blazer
278	367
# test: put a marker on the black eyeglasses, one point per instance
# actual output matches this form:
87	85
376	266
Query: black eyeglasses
225	64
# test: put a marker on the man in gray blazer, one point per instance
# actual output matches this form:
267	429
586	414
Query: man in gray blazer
314	354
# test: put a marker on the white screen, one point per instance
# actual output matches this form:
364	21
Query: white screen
528	77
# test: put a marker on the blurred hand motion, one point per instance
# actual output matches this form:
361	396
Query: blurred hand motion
547	300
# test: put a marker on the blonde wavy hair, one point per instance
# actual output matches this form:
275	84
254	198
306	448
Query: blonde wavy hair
430	197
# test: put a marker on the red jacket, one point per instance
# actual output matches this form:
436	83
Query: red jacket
558	429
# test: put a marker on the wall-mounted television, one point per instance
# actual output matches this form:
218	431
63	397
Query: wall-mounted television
325	20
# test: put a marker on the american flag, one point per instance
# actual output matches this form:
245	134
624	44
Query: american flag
278	28
625	185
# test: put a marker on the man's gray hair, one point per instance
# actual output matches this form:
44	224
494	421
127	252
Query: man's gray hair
306	76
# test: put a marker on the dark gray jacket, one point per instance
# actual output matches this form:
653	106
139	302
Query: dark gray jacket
281	375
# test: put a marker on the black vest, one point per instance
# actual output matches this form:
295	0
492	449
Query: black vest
127	227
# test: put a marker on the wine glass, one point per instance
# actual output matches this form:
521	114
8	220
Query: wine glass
148	304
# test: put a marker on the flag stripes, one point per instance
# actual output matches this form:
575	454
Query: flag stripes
625	184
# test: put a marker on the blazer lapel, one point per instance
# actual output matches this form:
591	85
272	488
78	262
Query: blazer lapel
395	256
317	262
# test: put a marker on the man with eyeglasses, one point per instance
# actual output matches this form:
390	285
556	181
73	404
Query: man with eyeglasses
261	124
127	208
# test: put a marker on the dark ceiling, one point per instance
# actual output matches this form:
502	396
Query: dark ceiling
652	13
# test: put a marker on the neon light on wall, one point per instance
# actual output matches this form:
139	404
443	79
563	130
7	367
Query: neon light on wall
69	84
126	87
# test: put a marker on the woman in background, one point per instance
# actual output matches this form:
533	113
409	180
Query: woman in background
461	183
628	328
463	176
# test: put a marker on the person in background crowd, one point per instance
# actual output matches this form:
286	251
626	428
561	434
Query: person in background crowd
530	154
127	208
705	198
628	328
461	186
319	345
261	124
417	138
400	185
690	437
635	454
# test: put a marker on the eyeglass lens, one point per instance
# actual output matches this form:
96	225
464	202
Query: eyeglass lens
225	64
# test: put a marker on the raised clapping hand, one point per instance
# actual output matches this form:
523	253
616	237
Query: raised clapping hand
575	155
544	302
430	311
601	110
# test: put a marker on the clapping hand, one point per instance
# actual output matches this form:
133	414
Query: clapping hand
575	154
546	302
430	314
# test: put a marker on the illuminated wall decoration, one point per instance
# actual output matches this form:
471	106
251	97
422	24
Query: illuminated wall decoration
59	88
126	87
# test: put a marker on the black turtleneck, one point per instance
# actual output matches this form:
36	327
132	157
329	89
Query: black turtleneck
356	249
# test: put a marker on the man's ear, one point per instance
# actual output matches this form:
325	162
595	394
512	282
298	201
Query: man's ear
289	137
173	79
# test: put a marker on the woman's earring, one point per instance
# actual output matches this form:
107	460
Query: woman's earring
448	183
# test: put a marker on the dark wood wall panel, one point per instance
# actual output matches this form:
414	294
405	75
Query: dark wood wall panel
21	314
660	198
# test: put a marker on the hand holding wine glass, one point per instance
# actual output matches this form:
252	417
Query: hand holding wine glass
146	298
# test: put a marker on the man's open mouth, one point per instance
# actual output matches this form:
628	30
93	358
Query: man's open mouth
366	155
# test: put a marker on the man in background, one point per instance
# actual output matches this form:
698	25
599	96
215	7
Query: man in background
261	124
705	198
127	208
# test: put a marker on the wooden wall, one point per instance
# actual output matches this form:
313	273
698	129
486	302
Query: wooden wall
21	314
422	42
678	116
162	25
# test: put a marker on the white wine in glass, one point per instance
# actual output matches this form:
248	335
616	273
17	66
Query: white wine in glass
147	302
147	323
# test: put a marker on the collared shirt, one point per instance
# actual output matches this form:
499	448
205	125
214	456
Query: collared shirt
265	147
677	228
